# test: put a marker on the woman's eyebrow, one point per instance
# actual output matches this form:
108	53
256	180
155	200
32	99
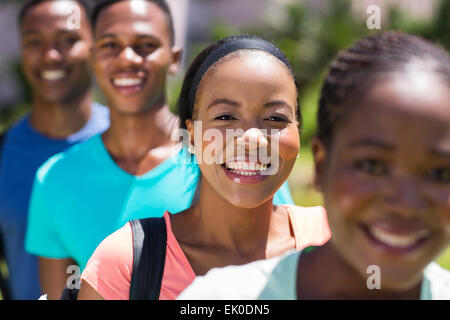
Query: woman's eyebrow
275	103
226	101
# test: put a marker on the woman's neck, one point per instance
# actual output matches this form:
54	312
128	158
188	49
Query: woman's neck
324	274
245	232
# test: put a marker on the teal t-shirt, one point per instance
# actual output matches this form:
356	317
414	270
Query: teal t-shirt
81	196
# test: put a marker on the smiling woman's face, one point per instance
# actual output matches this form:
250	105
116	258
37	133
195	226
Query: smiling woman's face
386	178
254	93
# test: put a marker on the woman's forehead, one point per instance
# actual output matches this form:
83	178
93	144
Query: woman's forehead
248	67
414	91
248	57
394	109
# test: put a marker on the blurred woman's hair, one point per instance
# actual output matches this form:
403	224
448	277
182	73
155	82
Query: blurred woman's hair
355	69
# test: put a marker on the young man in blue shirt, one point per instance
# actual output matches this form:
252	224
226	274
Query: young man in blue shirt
55	61
83	195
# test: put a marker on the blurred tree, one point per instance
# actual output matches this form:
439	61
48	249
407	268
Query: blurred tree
311	36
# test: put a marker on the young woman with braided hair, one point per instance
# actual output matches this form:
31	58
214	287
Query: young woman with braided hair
382	162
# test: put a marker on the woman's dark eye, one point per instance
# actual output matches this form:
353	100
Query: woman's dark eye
372	166
225	117
439	175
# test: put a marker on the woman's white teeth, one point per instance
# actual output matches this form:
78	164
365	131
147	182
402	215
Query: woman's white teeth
395	240
52	75
252	169
127	82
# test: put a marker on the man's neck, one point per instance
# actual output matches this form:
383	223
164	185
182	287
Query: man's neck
139	142
60	119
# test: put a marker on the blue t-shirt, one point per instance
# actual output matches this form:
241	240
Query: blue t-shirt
24	150
81	196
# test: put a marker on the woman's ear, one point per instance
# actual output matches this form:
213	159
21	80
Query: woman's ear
190	127
320	159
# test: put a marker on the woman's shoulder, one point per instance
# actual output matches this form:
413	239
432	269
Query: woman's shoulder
115	249
310	225
109	269
317	211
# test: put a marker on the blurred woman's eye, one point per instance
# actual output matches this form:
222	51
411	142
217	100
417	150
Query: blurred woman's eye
439	175
225	117
371	166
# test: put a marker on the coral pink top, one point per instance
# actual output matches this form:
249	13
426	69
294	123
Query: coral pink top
109	269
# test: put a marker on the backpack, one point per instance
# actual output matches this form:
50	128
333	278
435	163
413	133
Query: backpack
149	255
4	288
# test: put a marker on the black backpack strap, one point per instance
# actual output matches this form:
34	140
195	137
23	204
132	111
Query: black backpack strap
149	255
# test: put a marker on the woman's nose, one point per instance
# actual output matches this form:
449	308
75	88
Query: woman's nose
253	138
404	197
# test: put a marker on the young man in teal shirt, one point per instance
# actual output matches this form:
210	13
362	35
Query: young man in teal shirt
88	192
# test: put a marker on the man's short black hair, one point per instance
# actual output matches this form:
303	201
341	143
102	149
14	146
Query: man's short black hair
31	3
102	4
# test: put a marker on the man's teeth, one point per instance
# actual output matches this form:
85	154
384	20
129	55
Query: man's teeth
127	82
401	241
251	169
52	75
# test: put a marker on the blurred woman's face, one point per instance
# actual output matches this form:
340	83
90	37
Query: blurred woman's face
245	131
386	179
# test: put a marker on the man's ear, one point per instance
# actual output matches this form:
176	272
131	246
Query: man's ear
190	128
320	159
177	55
91	58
